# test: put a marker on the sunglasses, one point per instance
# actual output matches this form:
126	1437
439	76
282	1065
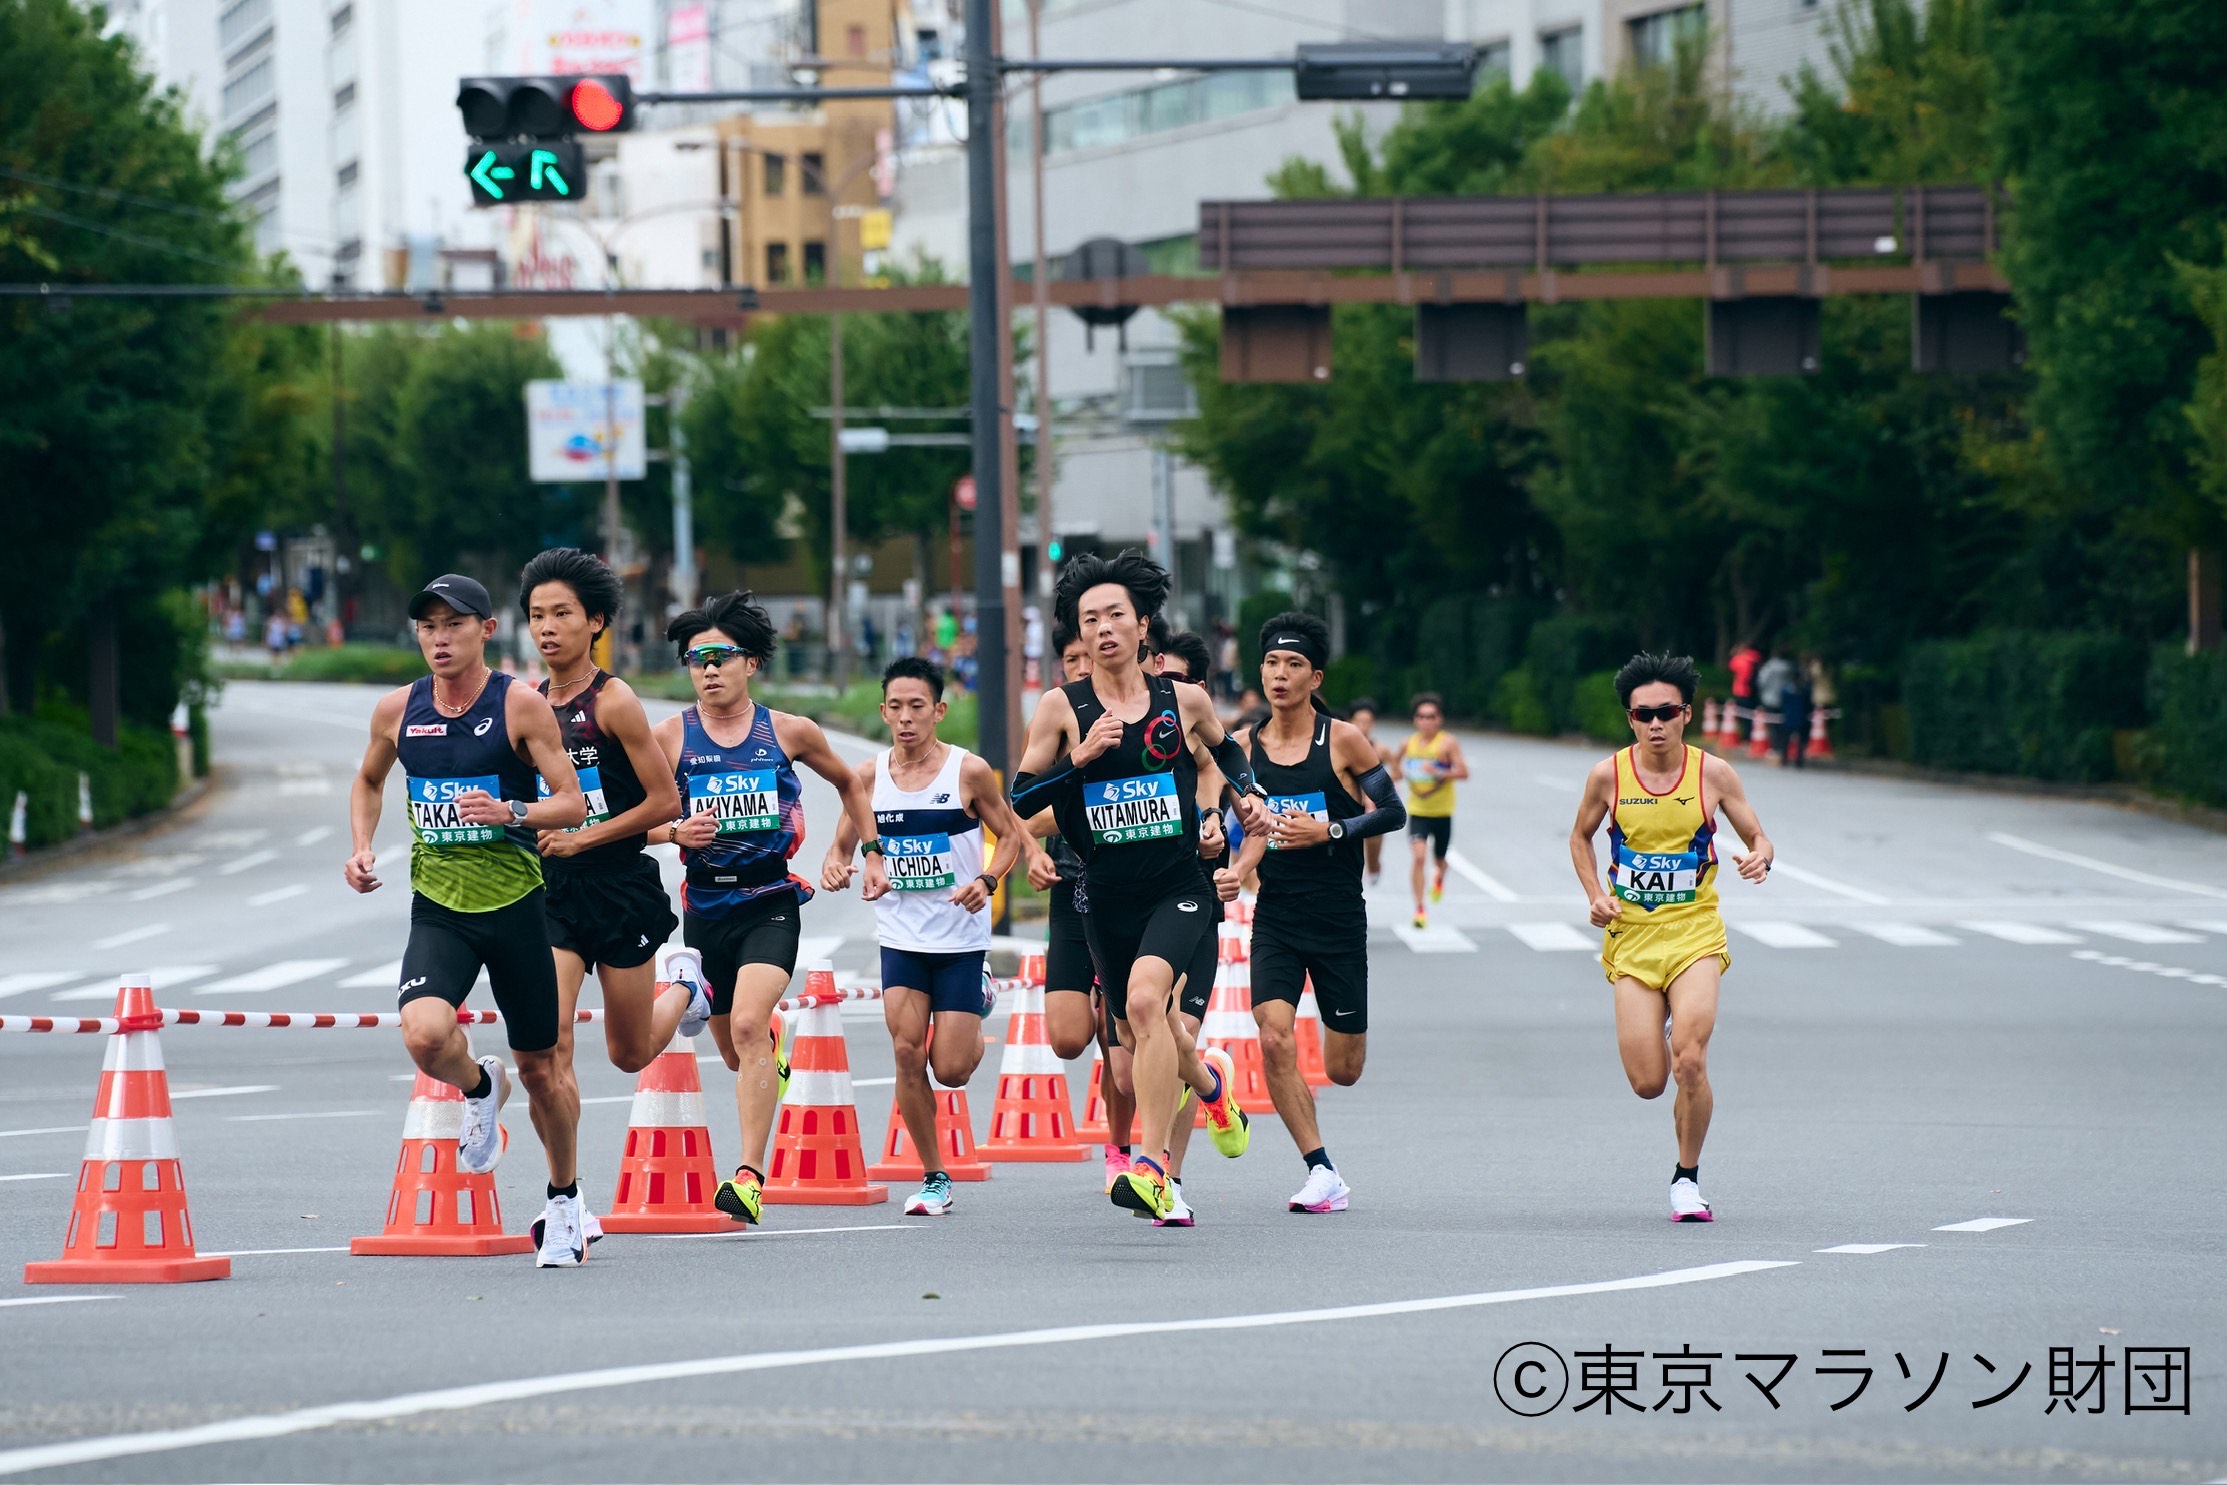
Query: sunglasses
1657	713
709	656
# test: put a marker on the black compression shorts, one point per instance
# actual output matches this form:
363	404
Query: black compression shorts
1206	962
761	932
1067	963
1337	960
1167	927
447	950
1437	829
619	918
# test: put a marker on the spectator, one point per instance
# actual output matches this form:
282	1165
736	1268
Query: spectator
1794	708
1770	684
1743	663
274	636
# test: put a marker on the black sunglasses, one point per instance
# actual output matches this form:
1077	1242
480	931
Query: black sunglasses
1657	713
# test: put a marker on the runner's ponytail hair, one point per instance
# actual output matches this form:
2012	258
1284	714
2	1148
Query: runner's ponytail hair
738	615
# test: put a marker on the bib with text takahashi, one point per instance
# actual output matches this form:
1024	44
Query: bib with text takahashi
1654	879
591	784
919	863
438	818
742	802
1297	804
1124	810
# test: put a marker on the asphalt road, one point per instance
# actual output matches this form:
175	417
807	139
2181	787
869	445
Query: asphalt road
1969	1109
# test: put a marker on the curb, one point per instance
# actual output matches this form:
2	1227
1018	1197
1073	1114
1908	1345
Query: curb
69	850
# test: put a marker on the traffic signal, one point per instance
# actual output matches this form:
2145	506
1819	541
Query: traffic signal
1054	550
545	107
536	170
1368	71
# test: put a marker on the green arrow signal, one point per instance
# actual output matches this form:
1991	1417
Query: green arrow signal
485	172
545	165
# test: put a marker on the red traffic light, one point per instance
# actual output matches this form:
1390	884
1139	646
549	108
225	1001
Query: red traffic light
596	106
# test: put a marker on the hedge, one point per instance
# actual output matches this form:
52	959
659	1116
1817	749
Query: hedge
41	757
387	665
2037	705
2188	709
857	709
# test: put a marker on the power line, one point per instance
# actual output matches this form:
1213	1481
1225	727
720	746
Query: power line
122	236
109	193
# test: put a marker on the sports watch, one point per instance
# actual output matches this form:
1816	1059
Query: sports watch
517	812
1337	830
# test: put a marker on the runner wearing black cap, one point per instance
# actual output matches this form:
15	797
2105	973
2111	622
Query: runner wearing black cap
470	743
1311	923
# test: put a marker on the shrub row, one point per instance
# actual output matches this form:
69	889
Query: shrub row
2042	706
42	757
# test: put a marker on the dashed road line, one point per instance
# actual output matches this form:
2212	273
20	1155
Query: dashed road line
1905	935
1810	878
167	977
55	1299
9	1134
2138	933
389	974
159	889
248	862
1435	940
2149	967
277	894
312	836
270	1252
1550	938
40	1175
2019	933
1983	1224
25	982
318	1114
1476	877
231	1092
140	934
1785	935
272	977
1867	1248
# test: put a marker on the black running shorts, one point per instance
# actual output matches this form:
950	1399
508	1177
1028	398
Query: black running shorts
1166	927
1437	829
1067	964
447	950
619	918
761	932
1336	958
1198	975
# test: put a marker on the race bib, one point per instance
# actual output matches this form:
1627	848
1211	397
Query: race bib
591	784
1124	810
919	863
1297	804
438	819
1655	879
742	802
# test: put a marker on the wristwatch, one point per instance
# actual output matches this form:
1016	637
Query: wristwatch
873	844
1337	830
989	883
517	812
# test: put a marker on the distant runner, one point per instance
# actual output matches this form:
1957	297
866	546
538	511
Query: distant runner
1432	763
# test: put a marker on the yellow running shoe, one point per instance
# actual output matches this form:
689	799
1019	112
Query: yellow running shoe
1143	1191
1438	883
1232	1131
779	1031
740	1198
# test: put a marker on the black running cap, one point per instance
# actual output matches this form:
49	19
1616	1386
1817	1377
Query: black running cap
459	592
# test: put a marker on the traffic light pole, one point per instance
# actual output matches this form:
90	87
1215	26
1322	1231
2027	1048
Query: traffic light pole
992	689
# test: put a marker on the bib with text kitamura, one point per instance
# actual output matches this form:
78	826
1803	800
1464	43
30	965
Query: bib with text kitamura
591	784
438	819
919	863
1124	810
1662	847
742	803
1317	805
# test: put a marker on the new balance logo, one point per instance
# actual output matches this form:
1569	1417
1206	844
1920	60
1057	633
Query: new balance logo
943	799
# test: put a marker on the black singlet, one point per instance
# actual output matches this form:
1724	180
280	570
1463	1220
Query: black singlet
607	778
1134	818
1332	869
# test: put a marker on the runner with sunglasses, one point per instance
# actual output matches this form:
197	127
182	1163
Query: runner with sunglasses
1663	945
1432	763
1111	756
735	762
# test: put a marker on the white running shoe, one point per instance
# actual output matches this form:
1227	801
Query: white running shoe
933	1199
1325	1191
479	1147
1686	1204
562	1246
686	967
591	1229
1179	1210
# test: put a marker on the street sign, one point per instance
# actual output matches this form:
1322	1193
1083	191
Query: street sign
543	170
576	430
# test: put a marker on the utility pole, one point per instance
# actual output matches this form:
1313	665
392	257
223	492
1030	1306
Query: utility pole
838	497
1046	532
683	581
987	325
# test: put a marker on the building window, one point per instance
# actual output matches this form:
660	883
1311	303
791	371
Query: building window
1118	117
1655	37
1564	52
251	87
1493	59
815	262
345	176
241	20
813	168
777	175
343	96
258	154
777	262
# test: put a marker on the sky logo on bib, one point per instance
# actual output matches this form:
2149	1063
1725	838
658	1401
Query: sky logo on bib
919	863
742	802
1121	811
438	817
1316	805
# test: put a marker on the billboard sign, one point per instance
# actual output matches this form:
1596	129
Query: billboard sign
580	430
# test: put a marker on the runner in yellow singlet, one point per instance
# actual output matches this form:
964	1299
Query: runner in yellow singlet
1663	944
1431	762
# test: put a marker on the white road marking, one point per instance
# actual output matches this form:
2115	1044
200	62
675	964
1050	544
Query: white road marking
2148	967
1477	878
612	1098
1905	935
388	975
876	1083
132	936
1867	1248
1551	937
2021	933
168	977
276	894
2138	933
311	837
305	786
19	984
9	1134
159	889
55	1299
248	862
755	1233
267	1252
272	977
1556	781
2074	858
231	1092
228	840
1785	935
2201	925
39	1175
1983	1224
319	1114
1810	878
1435	940
452	1399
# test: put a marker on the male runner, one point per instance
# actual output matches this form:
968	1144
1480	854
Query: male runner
1112	755
1432	761
469	743
1663	944
931	802
735	763
1362	714
1311	922
1074	1011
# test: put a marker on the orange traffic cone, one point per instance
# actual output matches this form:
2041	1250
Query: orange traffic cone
1093	1125
1240	911
1306	1033
817	1157
1032	968
1709	720
954	1138
128	1223
1236	946
666	1176
1728	741
1759	734
1820	744
1229	1025
1033	1119
437	1210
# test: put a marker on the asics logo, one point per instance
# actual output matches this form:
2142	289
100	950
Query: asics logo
484	724
1187	907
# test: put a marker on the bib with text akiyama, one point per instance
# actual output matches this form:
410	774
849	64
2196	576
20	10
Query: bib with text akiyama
438	818
1125	810
1655	879
591	784
742	802
919	863
1297	804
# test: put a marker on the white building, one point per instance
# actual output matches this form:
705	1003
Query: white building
1760	43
